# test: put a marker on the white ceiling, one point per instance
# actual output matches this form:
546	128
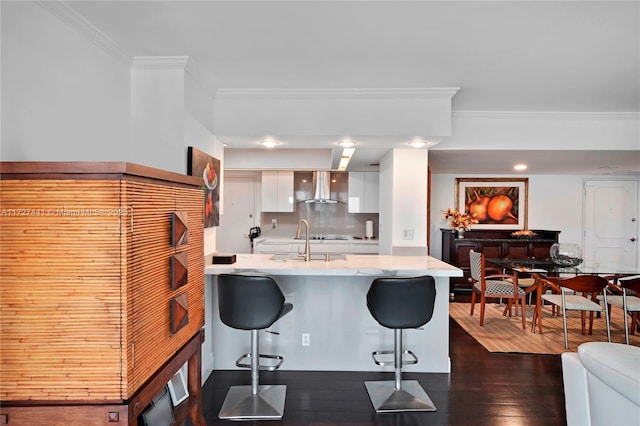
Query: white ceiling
532	56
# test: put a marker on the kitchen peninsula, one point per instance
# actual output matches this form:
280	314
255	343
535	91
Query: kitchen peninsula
329	299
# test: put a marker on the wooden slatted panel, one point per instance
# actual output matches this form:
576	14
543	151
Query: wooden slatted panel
151	342
60	296
191	201
85	273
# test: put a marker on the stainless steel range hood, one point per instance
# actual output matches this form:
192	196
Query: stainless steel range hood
322	188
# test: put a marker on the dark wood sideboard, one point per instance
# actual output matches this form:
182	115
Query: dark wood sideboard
494	244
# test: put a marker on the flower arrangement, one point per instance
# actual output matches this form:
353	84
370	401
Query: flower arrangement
459	220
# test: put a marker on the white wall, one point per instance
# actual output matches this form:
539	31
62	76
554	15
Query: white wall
543	131
278	159
63	98
157	116
555	203
385	224
403	202
320	112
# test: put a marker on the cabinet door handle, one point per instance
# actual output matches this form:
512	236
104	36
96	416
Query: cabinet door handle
632	239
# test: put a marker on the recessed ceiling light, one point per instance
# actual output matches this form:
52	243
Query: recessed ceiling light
520	167
347	153
419	142
269	142
346	143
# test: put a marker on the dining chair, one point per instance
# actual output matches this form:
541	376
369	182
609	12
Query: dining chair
579	293
629	302
525	280
494	286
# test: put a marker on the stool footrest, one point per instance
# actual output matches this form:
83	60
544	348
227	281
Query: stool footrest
413	360
265	367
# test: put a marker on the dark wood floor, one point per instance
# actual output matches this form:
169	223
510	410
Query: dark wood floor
483	389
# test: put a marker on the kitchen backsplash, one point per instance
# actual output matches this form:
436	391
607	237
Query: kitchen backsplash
323	218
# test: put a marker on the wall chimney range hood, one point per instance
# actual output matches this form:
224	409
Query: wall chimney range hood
321	188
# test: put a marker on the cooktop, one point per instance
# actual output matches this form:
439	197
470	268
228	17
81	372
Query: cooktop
327	237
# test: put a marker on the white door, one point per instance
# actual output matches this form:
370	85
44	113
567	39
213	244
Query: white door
232	236
611	223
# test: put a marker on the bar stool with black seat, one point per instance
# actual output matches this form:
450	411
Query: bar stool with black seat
400	303
252	302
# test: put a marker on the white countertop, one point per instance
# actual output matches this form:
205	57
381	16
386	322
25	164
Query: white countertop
352	265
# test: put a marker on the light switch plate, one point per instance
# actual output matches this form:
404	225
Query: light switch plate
407	234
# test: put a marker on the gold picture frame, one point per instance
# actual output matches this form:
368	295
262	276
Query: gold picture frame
497	203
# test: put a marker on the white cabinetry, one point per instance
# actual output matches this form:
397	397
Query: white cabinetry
319	247
289	249
364	192
273	247
277	191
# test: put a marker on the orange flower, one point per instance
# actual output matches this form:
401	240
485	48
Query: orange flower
459	220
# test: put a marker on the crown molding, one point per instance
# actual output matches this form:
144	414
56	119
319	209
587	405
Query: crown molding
366	93
67	14
528	115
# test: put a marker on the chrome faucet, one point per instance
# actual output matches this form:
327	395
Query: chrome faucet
307	250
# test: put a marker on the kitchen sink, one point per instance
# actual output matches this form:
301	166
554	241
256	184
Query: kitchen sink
314	256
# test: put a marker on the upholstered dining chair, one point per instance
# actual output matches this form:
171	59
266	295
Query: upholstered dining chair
579	293
629	302
525	280
499	286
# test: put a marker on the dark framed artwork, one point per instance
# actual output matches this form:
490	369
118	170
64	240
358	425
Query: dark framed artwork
203	165
497	203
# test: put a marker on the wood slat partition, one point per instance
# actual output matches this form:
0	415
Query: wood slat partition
61	292
85	267
152	340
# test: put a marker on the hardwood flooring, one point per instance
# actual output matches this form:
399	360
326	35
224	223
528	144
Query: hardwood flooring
483	389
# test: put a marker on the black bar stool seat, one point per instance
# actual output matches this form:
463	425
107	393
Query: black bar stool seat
400	303
252	302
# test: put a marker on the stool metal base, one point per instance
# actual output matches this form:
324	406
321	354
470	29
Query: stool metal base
267	404
387	399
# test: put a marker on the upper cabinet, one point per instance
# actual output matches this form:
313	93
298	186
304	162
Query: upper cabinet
277	191
364	192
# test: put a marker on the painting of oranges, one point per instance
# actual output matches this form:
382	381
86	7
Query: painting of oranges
494	202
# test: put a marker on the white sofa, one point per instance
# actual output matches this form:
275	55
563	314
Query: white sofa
602	384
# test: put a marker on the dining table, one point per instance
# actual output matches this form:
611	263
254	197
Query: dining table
547	274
